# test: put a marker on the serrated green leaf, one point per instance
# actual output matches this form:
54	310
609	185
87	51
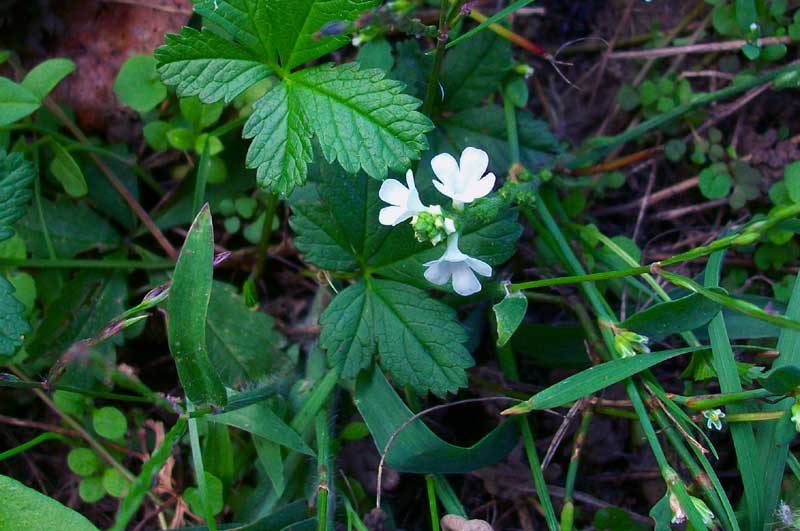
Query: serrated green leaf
295	27
187	308
245	20
281	147
16	175
509	314
417	338
242	343
13	325
16	102
361	119
416	448
203	64
44	77
24	509
472	72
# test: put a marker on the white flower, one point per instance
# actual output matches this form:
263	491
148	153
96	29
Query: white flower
460	267
405	201
463	182
714	418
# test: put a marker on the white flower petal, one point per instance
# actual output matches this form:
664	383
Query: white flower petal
473	164
438	272
479	266
446	168
393	215
393	192
443	188
483	187
465	282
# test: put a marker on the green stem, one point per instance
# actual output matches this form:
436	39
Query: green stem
738	305
37	192
433	78
511	127
432	508
568	511
703	402
203	167
39	439
266	234
536	471
760	416
63	263
199	469
695	470
323	466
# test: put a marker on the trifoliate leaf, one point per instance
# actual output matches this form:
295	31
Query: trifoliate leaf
281	147
16	175
417	338
203	64
470	73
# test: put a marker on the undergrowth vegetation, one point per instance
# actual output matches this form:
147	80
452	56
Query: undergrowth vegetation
395	265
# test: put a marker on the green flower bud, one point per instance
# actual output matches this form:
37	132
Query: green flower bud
432	226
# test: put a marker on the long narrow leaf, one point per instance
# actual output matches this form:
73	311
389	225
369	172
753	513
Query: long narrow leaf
594	379
519	4
773	438
187	308
742	433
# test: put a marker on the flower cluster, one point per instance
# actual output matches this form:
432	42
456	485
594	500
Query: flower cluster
463	181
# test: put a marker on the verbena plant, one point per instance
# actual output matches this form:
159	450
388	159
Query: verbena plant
405	197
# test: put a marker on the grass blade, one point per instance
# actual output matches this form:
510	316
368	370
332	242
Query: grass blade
519	4
742	433
594	379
